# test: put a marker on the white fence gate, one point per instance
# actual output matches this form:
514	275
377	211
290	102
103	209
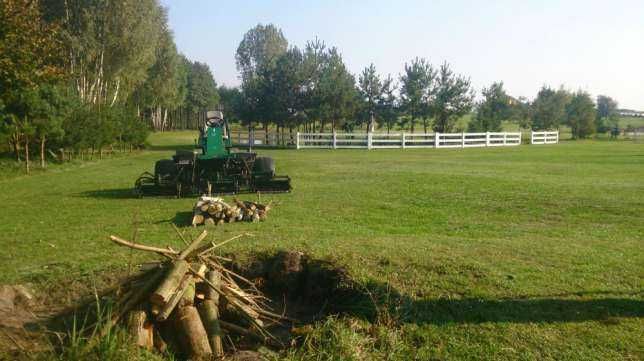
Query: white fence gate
544	137
406	140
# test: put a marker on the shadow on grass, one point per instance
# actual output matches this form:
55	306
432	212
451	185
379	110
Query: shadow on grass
118	193
548	309
182	219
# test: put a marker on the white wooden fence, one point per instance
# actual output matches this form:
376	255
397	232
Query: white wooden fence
544	137
405	140
383	140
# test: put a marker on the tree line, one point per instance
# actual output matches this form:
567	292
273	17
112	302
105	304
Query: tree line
311	89
97	74
87	75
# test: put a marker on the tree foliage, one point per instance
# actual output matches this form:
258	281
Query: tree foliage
549	108
492	111
606	113
416	91
580	115
454	98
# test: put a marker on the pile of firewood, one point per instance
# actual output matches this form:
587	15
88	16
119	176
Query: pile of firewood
193	302
214	211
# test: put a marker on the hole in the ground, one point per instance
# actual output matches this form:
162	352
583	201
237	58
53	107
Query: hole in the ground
301	288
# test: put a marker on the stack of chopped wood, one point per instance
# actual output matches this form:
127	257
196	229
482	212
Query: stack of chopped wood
192	296
214	211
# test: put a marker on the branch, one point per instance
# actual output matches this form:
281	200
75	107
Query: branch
142	247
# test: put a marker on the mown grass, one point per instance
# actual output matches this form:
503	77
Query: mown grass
530	252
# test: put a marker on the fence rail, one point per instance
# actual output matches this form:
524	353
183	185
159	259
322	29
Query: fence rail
363	140
405	140
544	137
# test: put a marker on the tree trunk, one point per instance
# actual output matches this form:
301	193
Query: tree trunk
42	152
27	154
425	125
16	145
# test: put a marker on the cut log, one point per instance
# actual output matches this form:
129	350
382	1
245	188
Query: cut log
210	314
192	333
141	330
197	219
165	311
214	278
170	284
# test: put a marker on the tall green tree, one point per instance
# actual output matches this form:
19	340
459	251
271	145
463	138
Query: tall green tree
549	108
165	87
519	112
453	99
30	58
201	93
371	93
256	57
416	91
337	89
285	88
110	45
606	113
259	49
581	115
387	105
492	110
230	100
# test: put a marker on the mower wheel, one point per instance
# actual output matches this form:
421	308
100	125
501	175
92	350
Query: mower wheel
165	170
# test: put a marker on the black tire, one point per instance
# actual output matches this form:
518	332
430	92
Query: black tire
264	165
165	171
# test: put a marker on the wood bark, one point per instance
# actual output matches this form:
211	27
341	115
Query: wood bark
166	310
210	314
193	335
42	152
140	329
170	284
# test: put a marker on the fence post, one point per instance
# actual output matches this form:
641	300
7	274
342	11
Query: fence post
532	137
297	140
462	139
335	140
557	137
369	135
403	140
437	137
505	138
487	139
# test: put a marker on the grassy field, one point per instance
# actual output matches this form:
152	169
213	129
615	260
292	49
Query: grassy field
530	252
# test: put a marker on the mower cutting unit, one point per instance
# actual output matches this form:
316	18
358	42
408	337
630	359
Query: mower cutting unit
212	168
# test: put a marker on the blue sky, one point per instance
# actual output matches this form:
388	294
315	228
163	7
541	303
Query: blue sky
597	46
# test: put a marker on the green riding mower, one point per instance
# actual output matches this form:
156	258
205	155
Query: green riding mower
212	168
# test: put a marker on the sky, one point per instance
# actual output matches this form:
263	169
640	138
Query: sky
595	46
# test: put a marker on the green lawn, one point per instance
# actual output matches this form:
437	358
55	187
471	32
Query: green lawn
530	252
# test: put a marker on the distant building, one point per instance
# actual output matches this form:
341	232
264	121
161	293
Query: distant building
630	113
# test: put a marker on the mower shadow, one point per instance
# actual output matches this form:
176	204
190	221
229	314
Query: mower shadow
118	193
182	219
548	309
